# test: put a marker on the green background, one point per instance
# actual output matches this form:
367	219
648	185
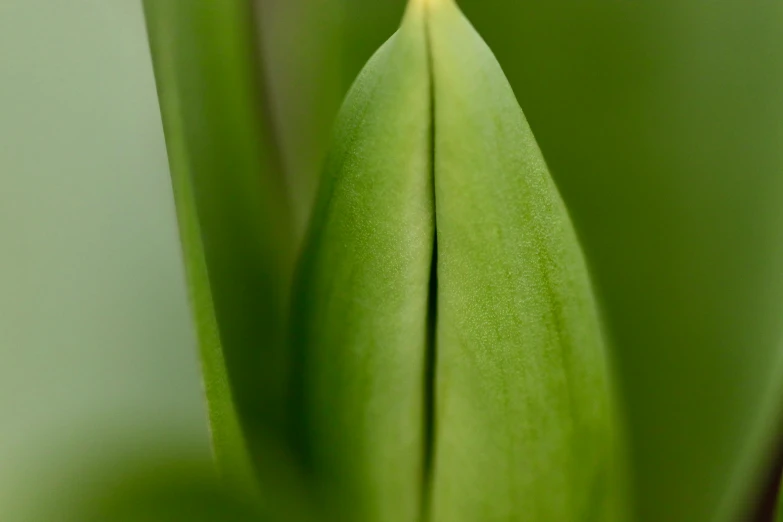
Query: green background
96	346
662	123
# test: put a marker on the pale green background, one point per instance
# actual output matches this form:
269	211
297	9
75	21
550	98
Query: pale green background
662	122
96	346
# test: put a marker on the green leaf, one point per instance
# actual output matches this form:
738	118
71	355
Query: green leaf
661	122
360	325
163	492
149	487
232	212
301	42
523	423
314	50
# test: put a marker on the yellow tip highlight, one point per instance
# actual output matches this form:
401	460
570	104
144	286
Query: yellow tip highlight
418	10
421	4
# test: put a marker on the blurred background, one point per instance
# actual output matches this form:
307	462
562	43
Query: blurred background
662	123
97	359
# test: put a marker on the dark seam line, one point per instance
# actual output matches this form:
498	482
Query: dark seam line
766	501
430	374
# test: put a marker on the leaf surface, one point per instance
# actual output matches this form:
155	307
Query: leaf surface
360	324
150	487
523	423
525	420
662	124
232	212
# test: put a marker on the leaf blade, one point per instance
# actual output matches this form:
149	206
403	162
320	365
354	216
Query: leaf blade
525	414
360	324
233	216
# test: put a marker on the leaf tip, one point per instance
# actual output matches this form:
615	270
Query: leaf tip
419	6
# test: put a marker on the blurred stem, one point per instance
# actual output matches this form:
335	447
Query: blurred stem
301	42
313	50
233	215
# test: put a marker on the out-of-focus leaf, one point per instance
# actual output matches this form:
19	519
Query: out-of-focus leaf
525	424
301	41
662	124
232	212
164	492
314	49
779	503
154	488
360	324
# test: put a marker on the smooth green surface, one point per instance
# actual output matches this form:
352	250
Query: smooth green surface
360	324
233	216
302	43
314	50
154	482
662	125
167	495
523	420
525	425
96	345
148	486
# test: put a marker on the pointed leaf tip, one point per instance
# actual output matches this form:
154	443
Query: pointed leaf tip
420	5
